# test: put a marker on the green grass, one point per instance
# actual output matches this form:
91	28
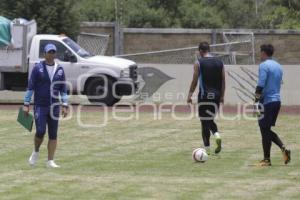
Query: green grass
147	159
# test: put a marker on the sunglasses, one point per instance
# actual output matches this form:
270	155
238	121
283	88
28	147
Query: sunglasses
51	52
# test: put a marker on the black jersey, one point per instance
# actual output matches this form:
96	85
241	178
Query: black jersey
210	78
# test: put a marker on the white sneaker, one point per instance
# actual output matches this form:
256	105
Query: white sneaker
52	164
33	158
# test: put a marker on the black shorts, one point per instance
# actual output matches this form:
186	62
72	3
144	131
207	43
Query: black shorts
269	114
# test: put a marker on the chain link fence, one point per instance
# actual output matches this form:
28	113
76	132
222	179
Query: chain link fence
96	44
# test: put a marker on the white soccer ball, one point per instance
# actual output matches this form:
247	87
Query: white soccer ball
199	155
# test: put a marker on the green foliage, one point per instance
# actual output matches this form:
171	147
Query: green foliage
52	16
237	13
199	15
96	10
283	14
58	16
141	14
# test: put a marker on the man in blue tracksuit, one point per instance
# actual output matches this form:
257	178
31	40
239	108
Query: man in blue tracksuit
268	94
47	82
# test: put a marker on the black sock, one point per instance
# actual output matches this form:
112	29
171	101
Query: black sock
266	142
205	133
276	140
213	127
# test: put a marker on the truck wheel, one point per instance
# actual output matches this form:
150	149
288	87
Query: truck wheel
97	88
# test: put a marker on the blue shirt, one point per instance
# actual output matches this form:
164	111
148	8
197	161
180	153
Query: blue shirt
46	92
269	78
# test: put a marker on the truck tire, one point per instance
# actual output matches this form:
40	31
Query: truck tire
96	88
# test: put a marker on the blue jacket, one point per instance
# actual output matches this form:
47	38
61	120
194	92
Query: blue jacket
46	92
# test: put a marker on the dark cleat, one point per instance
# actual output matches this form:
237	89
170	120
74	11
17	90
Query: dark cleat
286	156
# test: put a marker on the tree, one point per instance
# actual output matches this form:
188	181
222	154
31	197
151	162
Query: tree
170	9
95	10
144	14
169	13
237	13
283	14
52	16
199	14
57	16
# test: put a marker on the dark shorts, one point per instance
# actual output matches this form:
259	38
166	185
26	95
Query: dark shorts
270	114
45	115
207	109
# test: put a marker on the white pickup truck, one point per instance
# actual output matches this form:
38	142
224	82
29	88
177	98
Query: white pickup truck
103	79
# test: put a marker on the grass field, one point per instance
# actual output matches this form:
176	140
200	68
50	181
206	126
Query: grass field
147	159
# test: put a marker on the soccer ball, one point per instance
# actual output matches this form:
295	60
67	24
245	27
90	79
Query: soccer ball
199	155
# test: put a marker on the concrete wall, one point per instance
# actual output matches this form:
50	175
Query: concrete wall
143	40
137	40
170	83
286	43
166	83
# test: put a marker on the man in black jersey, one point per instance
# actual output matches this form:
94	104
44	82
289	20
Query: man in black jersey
210	73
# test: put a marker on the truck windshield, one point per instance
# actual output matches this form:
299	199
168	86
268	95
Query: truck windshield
75	47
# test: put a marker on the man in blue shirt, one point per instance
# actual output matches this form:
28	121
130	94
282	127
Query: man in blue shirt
268	95
47	82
